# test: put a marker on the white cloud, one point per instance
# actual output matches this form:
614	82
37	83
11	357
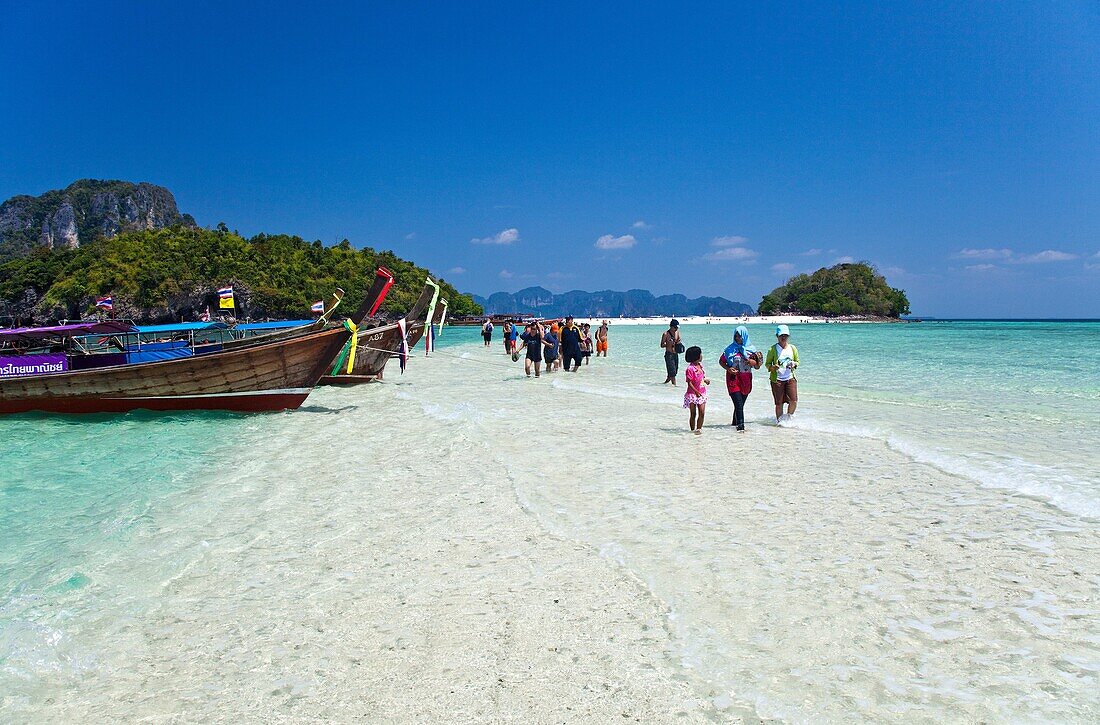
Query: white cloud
981	267
456	270
986	253
640	225
732	254
812	252
609	241
410	236
1047	255
560	275
844	260
730	241
505	274
782	267
506	236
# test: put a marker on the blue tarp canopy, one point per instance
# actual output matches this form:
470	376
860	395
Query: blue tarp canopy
275	325
180	327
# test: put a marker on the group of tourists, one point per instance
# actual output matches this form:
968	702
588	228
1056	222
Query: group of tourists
561	344
564	344
739	359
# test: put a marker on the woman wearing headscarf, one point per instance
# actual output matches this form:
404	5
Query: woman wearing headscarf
739	359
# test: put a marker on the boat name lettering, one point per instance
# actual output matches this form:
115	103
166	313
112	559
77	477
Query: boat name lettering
18	366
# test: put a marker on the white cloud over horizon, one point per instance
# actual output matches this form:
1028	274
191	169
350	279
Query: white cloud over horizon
986	253
844	260
505	274
1010	256
505	236
782	267
456	270
610	241
733	254
733	240
1047	255
812	252
640	224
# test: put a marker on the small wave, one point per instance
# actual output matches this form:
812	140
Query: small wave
1050	486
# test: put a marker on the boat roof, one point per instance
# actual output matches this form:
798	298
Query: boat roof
181	327
74	330
273	325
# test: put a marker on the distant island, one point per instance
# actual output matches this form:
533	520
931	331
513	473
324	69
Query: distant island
606	303
63	249
843	290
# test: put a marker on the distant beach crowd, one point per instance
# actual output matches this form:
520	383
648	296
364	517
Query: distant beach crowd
560	344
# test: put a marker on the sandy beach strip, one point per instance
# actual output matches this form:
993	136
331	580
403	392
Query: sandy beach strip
368	584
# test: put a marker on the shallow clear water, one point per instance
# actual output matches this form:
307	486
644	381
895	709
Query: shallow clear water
920	544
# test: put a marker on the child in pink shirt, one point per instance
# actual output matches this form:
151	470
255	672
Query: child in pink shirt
695	397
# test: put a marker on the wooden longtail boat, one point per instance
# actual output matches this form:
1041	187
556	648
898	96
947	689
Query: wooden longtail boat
267	375
377	345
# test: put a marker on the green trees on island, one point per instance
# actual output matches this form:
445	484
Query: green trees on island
844	289
174	274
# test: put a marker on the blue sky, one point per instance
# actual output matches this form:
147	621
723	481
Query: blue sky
711	149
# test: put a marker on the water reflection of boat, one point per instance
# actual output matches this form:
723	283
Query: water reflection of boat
270	372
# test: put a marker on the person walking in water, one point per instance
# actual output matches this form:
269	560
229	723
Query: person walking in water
586	342
533	342
695	397
601	339
570	336
512	336
487	332
553	358
505	335
739	360
782	361
673	346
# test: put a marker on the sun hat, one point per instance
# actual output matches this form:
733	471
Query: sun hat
782	330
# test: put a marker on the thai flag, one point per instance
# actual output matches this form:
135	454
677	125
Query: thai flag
225	293
105	303
403	352
318	307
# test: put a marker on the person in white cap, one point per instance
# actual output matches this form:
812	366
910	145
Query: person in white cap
782	361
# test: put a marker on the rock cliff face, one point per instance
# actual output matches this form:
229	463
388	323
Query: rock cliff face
85	210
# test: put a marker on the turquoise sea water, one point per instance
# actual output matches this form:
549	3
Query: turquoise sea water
1010	404
102	518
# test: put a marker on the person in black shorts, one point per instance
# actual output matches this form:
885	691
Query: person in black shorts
552	351
571	344
533	342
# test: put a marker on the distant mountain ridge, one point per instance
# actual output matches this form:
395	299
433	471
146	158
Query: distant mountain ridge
606	303
83	211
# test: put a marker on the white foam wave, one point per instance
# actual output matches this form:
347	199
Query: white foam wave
1059	489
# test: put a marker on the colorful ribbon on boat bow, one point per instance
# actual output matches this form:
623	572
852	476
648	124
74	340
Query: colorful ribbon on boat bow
354	342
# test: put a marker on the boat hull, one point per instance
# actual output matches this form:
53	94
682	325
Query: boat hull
376	346
271	376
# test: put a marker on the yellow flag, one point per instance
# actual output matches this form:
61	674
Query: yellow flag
225	302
